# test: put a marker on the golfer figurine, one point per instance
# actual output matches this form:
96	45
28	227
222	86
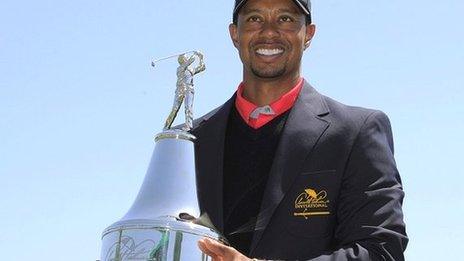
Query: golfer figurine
184	88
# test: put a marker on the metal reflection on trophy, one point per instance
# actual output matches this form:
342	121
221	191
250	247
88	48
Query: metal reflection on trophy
164	222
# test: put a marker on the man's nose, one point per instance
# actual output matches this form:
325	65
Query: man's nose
270	29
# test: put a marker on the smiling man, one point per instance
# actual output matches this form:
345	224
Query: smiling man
285	173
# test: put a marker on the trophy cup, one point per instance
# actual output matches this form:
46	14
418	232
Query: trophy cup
164	222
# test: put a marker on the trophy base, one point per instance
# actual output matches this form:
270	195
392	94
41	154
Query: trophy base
155	240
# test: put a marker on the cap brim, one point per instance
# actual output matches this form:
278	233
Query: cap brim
303	8
240	4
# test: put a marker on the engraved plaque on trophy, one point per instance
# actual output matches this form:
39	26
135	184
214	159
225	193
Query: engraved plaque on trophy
163	222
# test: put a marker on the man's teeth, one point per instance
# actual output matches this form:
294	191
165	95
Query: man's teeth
269	51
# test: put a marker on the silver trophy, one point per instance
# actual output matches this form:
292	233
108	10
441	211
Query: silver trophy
164	222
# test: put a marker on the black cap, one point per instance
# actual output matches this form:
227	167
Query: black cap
305	6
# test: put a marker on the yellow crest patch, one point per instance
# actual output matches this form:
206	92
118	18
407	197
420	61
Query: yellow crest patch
311	203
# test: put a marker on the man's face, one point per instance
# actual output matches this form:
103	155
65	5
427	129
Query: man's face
271	36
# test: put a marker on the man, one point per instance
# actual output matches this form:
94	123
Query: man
286	173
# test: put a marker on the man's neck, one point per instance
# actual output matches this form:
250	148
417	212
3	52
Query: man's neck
263	92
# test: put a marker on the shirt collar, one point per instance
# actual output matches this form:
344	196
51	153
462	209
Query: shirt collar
257	117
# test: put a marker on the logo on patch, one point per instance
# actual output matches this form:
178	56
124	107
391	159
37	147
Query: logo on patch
311	203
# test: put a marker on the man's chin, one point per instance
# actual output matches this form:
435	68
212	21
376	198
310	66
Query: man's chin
268	74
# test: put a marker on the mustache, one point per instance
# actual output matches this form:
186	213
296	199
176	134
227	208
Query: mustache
264	42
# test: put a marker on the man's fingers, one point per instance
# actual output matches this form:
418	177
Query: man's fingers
206	248
219	251
214	247
217	247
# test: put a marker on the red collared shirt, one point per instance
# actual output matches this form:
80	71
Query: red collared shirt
255	116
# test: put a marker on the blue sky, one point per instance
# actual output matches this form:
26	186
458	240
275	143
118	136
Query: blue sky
80	104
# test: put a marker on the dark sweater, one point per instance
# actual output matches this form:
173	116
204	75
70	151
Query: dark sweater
248	157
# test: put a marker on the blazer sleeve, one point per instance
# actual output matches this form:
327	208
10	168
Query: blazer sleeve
369	212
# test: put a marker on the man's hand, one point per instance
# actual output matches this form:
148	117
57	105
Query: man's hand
220	252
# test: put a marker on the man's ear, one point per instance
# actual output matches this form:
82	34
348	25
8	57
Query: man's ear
310	31
233	34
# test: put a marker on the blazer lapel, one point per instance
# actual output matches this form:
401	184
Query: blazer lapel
303	128
209	154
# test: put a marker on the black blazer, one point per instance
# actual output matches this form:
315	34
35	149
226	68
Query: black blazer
334	192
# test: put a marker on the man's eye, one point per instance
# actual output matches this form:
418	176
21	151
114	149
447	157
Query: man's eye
254	19
286	19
